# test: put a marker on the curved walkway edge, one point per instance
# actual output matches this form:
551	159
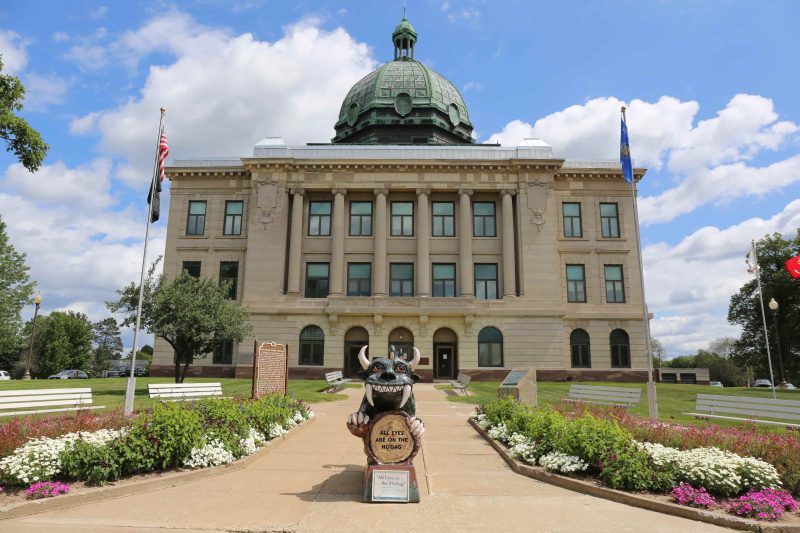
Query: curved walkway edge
629	498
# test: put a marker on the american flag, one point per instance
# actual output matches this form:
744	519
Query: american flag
752	267
163	152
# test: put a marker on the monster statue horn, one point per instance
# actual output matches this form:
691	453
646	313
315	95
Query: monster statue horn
362	357
415	361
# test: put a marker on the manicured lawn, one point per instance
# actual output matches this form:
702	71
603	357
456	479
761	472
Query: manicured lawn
673	400
110	392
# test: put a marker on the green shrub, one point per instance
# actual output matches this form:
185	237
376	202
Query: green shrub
632	469
269	410
96	465
592	439
138	450
501	410
224	419
175	429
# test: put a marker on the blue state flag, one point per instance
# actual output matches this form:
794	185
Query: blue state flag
625	154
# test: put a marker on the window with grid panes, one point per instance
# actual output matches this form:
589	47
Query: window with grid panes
615	288
233	217
317	275
490	347
609	220
360	219
229	274
223	353
401	279
192	268
483	219
196	223
579	347
572	219
319	218
444	279
312	346
403	219
486	281
576	284
359	279
444	220
620	349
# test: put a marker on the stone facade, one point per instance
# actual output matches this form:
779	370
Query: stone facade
527	187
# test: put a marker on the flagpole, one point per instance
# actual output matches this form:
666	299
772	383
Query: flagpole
763	316
130	390
652	401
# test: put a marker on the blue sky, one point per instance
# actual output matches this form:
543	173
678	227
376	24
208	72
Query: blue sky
711	89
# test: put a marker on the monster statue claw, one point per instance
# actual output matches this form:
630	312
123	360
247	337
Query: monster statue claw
388	386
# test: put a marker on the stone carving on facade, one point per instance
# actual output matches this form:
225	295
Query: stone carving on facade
266	200
378	320
469	322
333	321
423	325
538	192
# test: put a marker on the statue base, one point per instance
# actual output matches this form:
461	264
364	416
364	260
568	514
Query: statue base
391	484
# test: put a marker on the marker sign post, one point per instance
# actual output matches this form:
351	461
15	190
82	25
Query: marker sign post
270	368
521	384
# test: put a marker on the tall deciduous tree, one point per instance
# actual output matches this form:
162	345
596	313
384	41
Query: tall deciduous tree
26	143
15	291
63	342
745	310
192	315
107	344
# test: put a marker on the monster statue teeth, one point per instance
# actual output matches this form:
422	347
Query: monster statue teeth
368	394
406	395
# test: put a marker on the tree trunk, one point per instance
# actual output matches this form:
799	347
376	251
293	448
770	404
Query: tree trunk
183	373
177	371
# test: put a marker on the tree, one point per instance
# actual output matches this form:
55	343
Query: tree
724	347
63	342
745	310
26	143
192	315
658	352
145	353
15	292
107	344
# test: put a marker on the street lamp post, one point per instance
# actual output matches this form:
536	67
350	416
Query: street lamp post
773	305
37	300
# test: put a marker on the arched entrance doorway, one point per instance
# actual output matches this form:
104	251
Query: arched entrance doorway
354	339
401	341
445	354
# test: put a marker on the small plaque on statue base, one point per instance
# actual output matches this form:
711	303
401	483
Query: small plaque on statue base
390	446
391	484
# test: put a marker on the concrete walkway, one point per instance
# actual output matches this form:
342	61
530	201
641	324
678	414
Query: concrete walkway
313	482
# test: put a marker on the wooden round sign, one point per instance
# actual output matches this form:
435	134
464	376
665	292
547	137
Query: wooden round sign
389	440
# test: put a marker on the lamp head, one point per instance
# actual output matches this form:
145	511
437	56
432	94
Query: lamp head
37	299
773	304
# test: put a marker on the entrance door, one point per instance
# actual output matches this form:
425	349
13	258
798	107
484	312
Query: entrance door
352	366
444	361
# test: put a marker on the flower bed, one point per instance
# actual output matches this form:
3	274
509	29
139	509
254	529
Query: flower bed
586	444
208	432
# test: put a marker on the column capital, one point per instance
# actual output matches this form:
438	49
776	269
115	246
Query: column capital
424	190
297	191
338	190
462	192
509	192
380	190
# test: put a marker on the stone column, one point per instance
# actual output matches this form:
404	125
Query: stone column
295	242
509	257
466	270
379	240
423	269
337	243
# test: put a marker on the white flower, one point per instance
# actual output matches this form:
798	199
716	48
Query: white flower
211	454
561	462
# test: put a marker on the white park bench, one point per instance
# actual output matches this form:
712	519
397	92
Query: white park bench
461	382
177	392
754	409
335	381
624	396
45	401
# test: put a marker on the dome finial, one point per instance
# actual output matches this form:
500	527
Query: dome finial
404	38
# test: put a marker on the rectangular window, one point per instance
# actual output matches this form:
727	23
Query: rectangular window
233	217
576	284
317	275
615	288
360	219
192	268
401	279
223	353
609	220
483	220
319	218
444	219
444	279
196	224
229	274
486	282
359	279
402	219
572	219
490	354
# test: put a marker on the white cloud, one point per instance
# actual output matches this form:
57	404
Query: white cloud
292	87
472	86
98	13
468	15
86	186
44	91
13	50
88	57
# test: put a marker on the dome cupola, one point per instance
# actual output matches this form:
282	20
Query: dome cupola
403	102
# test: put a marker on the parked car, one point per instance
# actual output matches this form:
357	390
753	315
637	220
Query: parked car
716	383
788	386
70	374
4	375
124	371
762	383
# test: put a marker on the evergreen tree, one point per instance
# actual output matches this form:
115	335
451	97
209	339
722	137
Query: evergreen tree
107	344
15	292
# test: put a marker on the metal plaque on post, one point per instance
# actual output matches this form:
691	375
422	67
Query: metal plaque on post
270	368
521	384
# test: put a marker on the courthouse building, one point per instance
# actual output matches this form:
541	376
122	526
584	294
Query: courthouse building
404	232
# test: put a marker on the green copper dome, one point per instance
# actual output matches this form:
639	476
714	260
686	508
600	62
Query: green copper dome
403	102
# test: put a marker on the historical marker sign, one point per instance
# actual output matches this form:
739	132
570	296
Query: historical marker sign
270	369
